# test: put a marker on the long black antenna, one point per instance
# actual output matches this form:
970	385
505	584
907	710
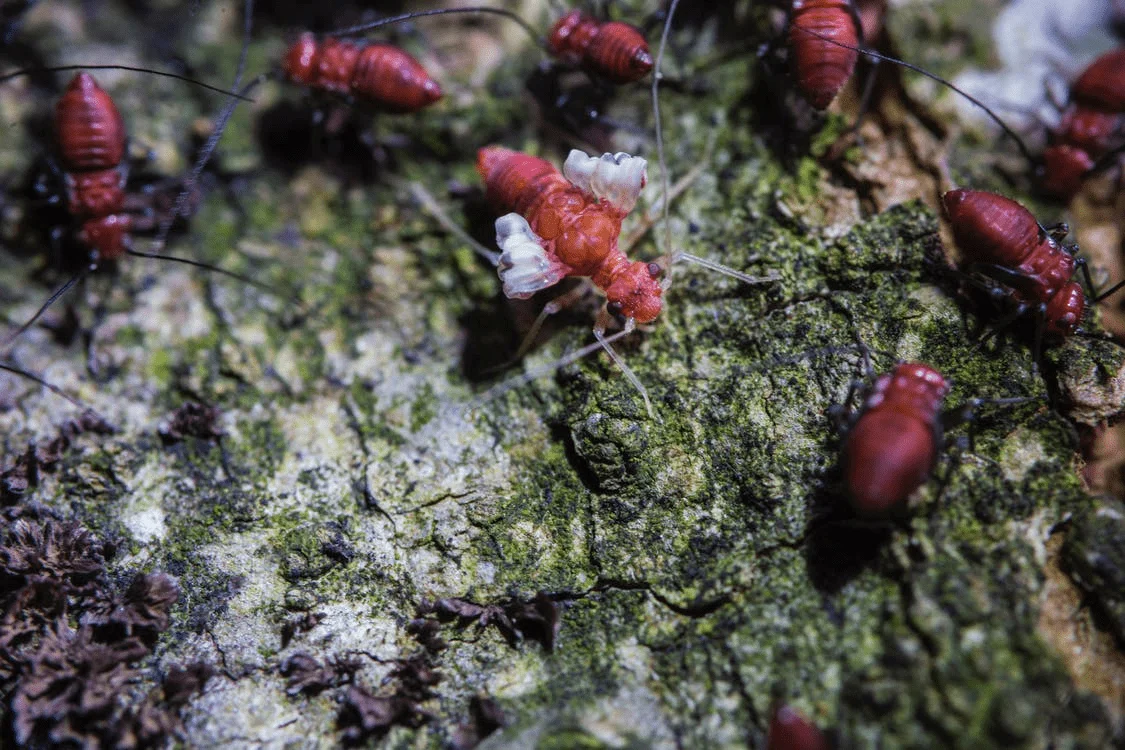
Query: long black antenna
233	97
539	40
657	77
150	71
50	301
208	267
52	388
934	77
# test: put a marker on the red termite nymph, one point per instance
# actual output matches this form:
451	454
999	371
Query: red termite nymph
614	51
892	445
1002	241
568	225
90	153
1092	129
90	138
789	730
376	74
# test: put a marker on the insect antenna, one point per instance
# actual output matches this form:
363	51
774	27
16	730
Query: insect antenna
1109	291
52	388
670	256
934	77
205	153
50	301
603	343
233	97
131	68
207	266
359	29
657	76
719	267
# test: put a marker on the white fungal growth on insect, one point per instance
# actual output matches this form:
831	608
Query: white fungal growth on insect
525	266
614	178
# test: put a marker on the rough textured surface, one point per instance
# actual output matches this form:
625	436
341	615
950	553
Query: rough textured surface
367	553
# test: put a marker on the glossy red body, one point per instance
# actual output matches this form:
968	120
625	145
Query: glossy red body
579	231
378	74
1102	84
614	51
791	731
821	68
996	231
90	137
891	449
1092	125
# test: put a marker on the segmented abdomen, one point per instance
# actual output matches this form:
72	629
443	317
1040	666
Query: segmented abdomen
892	447
614	50
377	73
525	184
89	129
820	67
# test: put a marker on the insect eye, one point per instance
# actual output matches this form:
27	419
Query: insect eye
614	308
654	270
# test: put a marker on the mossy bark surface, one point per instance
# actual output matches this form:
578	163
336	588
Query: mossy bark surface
699	561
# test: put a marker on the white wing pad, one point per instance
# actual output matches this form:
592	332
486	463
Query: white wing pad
614	178
525	266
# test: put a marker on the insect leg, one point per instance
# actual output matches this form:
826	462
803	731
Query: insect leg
661	156
50	301
434	209
726	270
865	99
555	306
604	319
502	388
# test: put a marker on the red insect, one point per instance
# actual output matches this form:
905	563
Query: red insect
817	31
1002	241
568	225
1092	126
90	140
892	445
90	158
611	50
377	74
791	731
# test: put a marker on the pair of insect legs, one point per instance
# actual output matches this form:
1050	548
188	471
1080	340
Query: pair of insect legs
1009	279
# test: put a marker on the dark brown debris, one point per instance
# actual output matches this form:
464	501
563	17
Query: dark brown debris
485	717
425	630
309	677
143	613
536	619
193	419
294	626
70	644
23	474
365	715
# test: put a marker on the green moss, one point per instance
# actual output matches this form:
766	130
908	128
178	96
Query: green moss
423	409
701	559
